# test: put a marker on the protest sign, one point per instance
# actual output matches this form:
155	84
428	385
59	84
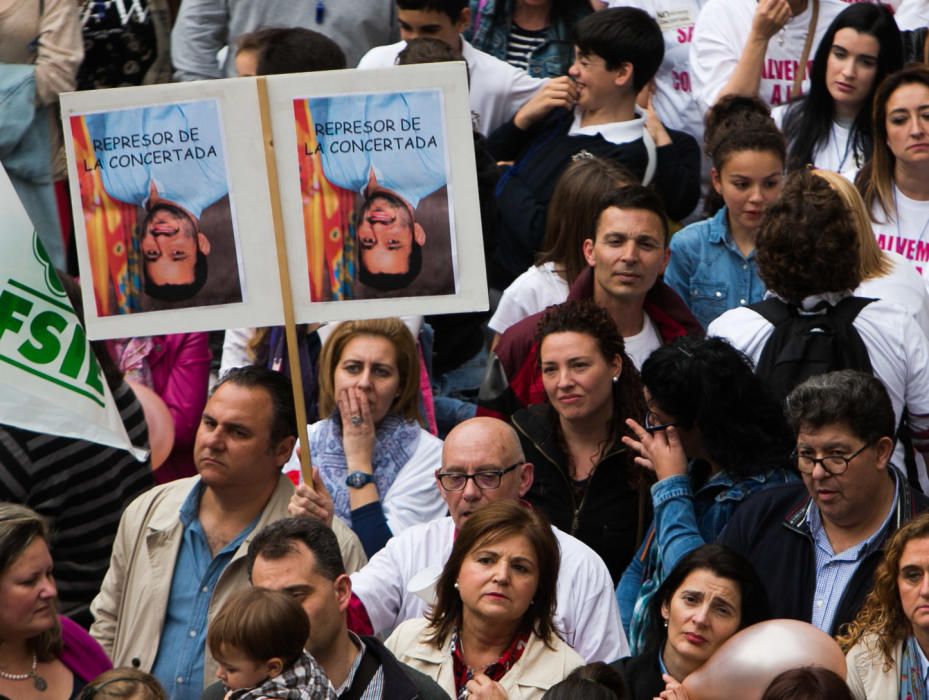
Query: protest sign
377	182
171	208
51	380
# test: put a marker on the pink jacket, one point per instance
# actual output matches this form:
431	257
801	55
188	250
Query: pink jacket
180	366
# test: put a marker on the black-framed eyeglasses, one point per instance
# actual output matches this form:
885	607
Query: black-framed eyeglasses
652	427
833	464
487	479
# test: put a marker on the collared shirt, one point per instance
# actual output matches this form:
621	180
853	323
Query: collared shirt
614	132
179	661
834	571
375	688
708	270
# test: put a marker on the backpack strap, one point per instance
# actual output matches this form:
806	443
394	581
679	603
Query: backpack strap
773	310
848	309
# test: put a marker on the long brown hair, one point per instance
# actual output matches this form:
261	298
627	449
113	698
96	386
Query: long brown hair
882	613
875	180
492	523
573	212
20	527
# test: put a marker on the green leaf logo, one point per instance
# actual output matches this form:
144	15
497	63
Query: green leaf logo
51	277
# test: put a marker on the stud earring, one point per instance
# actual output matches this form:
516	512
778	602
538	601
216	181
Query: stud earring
456	585
616	379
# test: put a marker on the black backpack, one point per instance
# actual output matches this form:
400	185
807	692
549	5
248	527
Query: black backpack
806	344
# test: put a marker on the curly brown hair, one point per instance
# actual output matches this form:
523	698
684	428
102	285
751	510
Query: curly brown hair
807	243
586	317
881	618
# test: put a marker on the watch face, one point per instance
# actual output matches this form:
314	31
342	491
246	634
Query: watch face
358	479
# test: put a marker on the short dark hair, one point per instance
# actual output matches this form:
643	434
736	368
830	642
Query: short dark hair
708	384
452	8
807	683
489	524
572	213
854	399
291	50
427	49
633	197
388	282
284	415
623	35
808	241
175	292
261	623
722	562
594	681
279	539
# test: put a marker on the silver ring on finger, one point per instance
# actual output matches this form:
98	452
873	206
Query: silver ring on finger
357	420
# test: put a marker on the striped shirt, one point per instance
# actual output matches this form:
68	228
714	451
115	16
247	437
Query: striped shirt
521	44
82	488
834	571
375	688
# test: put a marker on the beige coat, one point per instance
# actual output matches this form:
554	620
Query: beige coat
865	673
130	609
537	670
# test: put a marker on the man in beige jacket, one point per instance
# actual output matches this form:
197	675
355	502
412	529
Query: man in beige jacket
180	550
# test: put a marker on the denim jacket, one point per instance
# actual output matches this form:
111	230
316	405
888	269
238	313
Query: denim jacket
490	32
709	272
684	520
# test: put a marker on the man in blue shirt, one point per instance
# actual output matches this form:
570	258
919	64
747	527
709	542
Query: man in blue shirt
180	550
816	545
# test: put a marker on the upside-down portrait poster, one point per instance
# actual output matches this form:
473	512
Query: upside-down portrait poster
377	191
171	189
162	197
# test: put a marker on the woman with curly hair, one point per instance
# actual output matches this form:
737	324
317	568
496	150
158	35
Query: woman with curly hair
890	635
585	480
809	256
713	435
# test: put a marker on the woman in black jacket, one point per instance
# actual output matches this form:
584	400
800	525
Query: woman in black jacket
585	479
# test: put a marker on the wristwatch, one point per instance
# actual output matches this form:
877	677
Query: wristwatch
358	479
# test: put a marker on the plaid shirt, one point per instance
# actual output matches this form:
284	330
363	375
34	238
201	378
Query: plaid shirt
302	680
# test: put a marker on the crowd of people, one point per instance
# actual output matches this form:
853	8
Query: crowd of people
696	414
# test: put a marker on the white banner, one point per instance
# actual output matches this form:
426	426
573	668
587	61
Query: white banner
51	380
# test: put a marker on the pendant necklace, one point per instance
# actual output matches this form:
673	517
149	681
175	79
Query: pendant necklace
835	143
37	680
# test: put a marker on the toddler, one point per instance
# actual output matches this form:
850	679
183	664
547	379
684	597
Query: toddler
257	638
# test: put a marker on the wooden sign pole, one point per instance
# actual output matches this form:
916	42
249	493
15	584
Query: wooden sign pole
290	327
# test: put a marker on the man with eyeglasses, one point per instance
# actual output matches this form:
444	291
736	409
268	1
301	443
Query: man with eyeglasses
816	544
483	462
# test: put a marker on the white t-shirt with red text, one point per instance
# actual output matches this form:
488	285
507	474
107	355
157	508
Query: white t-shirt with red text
674	99
720	35
907	231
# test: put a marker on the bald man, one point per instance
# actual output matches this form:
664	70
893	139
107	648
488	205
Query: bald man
483	462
